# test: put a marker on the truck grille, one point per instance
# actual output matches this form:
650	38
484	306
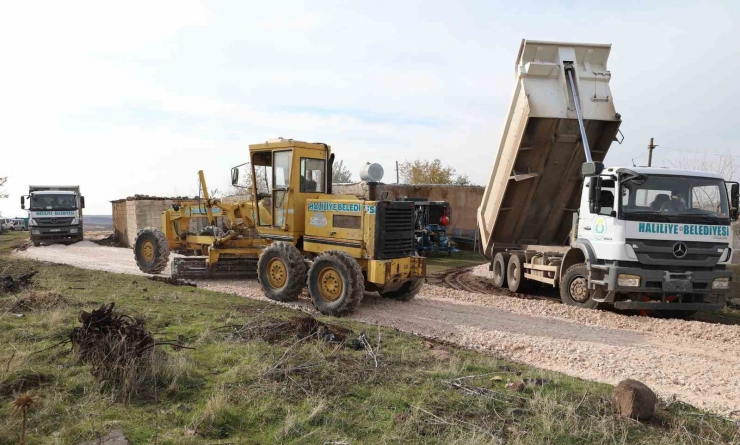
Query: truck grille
660	252
394	229
53	221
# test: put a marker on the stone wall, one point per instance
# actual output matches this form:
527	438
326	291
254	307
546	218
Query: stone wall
464	200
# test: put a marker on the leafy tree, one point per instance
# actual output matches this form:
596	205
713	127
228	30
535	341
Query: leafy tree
430	172
340	173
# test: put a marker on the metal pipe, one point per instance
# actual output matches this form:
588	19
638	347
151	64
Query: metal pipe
569	69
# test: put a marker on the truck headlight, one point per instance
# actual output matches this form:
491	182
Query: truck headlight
626	280
721	283
73	230
35	232
31	222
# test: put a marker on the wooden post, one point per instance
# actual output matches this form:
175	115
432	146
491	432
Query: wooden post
650	152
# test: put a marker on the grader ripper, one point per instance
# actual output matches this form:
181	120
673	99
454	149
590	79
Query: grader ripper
293	233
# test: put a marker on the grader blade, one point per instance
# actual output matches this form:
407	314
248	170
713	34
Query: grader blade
197	267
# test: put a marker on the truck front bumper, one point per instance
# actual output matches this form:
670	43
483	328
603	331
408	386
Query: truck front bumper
55	234
688	291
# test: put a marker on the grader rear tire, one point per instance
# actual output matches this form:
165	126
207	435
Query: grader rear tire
281	271
406	292
151	250
336	283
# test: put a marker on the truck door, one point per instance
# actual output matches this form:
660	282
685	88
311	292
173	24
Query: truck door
280	182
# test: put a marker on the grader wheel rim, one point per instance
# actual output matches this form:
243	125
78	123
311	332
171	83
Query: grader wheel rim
277	273
147	251
330	284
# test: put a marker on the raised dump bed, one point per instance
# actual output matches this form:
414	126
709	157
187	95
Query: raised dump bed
535	182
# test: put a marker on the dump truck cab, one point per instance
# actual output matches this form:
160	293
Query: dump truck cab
648	231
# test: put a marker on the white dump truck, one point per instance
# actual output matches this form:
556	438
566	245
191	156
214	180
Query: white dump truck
635	237
55	213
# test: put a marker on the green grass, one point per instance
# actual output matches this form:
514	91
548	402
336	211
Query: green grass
10	239
440	262
231	390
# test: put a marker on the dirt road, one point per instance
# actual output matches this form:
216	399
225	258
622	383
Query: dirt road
698	362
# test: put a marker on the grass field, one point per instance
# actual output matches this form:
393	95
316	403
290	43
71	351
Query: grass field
233	388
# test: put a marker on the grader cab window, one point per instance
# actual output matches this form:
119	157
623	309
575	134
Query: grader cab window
312	175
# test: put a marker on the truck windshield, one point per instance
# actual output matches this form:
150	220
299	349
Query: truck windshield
675	199
53	202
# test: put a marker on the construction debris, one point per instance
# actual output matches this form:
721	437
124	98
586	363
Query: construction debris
115	346
10	284
172	281
276	331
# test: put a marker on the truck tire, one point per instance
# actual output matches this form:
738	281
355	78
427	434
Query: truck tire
335	283
500	262
574	287
515	274
151	250
406	292
281	271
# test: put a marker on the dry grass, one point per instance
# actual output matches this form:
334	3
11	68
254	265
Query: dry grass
236	388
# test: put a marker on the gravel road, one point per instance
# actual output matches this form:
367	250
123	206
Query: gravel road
695	361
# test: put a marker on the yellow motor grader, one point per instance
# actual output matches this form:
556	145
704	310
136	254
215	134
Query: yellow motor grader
293	233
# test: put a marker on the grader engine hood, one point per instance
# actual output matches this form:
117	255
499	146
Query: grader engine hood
370	229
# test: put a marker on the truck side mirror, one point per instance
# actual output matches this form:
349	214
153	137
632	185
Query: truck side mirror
235	176
23	202
82	202
594	194
734	200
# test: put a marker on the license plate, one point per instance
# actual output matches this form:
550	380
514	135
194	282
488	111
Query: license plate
678	286
55	230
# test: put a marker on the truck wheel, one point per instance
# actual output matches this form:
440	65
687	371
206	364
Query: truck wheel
151	250
574	287
36	244
515	274
335	283
281	271
500	261
407	291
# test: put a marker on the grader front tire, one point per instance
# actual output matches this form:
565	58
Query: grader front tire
281	271
336	283
406	292
151	250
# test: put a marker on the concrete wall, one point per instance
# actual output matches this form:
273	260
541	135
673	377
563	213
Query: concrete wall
464	200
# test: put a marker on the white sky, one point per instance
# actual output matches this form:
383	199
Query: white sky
136	97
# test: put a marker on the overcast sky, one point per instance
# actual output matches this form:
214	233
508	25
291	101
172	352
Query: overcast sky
135	97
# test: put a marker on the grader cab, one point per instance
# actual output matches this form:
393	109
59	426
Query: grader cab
293	233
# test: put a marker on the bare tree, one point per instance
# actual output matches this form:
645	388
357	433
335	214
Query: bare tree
3	181
707	198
